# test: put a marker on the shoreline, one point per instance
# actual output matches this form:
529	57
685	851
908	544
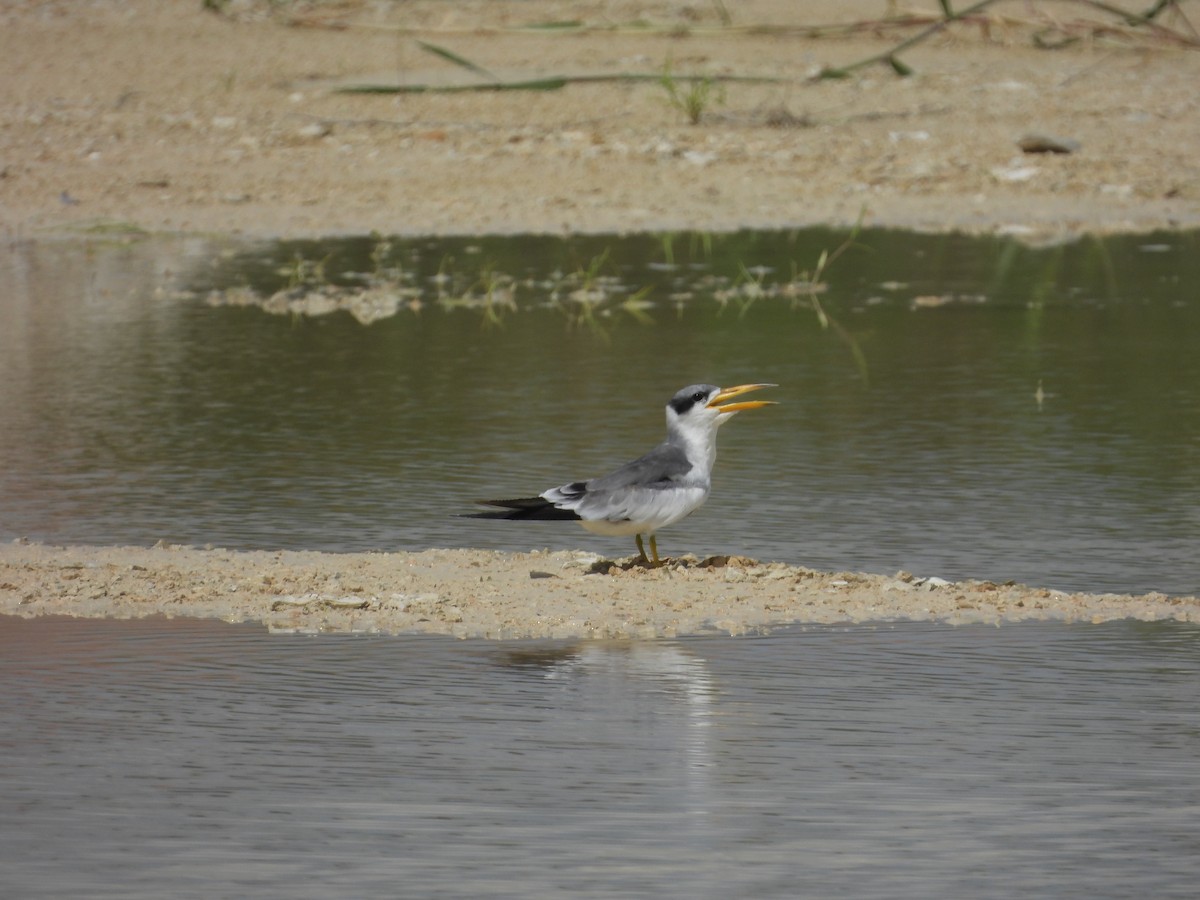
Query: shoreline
1045	231
495	595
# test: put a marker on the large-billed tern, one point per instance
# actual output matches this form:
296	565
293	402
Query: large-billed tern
656	490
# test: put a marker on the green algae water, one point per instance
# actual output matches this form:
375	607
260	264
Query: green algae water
949	405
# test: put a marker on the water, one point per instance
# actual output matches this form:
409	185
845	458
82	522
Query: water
158	758
910	433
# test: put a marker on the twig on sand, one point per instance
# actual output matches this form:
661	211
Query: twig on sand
950	16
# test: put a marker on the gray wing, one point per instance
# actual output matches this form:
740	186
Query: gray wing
664	465
632	492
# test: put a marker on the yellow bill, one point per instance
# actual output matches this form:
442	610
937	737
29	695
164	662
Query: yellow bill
718	402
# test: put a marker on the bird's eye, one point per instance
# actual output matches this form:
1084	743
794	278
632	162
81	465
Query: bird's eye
699	396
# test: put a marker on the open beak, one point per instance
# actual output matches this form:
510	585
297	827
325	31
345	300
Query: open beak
730	393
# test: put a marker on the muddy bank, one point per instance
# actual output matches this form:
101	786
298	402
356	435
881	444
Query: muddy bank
474	593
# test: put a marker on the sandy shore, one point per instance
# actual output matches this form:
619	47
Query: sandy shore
162	116
165	116
474	593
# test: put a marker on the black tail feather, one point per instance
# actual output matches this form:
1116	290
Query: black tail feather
536	508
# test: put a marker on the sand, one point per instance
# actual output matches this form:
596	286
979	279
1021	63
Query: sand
475	593
167	117
142	115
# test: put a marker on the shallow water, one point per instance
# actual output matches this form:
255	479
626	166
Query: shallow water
133	413
189	758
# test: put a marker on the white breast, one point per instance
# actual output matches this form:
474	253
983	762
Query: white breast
645	511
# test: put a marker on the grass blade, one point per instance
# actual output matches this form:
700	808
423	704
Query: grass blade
551	83
450	56
539	84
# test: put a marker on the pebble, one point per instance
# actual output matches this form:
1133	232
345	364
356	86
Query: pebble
313	130
1045	143
1015	174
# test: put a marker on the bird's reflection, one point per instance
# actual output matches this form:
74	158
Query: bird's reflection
659	689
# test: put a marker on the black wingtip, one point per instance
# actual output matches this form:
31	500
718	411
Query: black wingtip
518	503
535	508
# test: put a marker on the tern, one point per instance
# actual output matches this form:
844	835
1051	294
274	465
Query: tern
653	491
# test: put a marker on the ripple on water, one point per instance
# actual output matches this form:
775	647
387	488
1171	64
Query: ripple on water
184	757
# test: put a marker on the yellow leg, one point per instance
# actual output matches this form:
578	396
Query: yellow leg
642	550
654	550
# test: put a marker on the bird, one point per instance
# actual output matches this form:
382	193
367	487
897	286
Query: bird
653	491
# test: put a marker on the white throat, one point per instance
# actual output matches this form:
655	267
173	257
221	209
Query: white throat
698	437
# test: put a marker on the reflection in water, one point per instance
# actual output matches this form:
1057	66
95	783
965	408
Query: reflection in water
196	759
667	681
133	415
